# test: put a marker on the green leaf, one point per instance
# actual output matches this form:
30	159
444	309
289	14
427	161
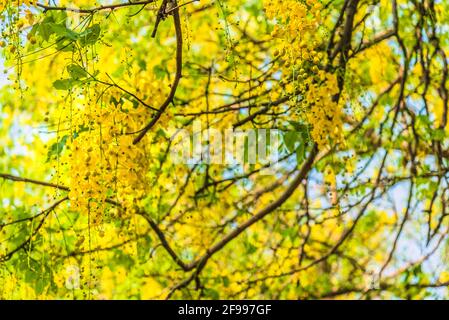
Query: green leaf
90	35
250	248
300	153
64	84
65	45
226	281
53	21
142	64
63	31
45	31
121	258
76	72
438	134
160	72
291	138
213	294
57	147
143	249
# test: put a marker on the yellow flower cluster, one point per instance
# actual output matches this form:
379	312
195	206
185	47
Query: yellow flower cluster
323	113
103	162
4	3
296	16
298	30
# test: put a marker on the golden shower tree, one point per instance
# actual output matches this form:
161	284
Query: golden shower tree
93	205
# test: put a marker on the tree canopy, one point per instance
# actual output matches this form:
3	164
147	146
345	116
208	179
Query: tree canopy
93	94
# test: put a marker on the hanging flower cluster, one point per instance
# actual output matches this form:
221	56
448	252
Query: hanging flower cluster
103	162
300	32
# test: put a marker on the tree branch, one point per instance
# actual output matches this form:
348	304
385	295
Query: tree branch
178	75
92	10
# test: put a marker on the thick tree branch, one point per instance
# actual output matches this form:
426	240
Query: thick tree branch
32	181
